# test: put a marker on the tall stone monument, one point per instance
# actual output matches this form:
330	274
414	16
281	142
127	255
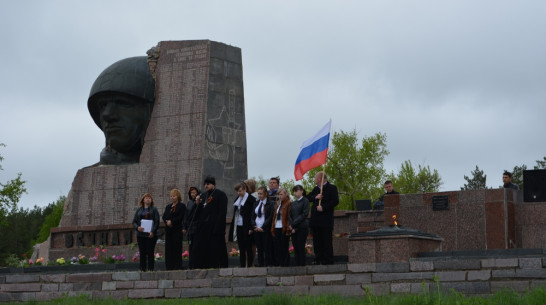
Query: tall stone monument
196	128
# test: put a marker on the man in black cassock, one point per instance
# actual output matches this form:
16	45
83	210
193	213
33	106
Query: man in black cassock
210	242
322	218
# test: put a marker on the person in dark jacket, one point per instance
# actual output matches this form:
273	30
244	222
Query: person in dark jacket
261	221
324	198
210	239
190	223
146	238
240	229
173	216
299	210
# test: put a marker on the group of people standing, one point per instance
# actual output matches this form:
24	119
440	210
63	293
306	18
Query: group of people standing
264	221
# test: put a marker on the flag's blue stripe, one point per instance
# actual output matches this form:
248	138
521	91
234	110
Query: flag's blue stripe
317	146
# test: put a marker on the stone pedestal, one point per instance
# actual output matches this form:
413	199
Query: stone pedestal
197	129
396	248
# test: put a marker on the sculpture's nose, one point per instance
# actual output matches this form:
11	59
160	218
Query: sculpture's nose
109	112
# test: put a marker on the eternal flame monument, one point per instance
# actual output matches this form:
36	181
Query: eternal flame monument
169	119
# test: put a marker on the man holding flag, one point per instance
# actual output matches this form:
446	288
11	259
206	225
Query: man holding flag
324	196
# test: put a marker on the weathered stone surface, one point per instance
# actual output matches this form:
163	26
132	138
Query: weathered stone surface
510	273
125	285
457	264
248	291
109	285
329	279
377	289
172	293
79	286
361	267
321	269
282	271
248	282
518	286
65	287
246	272
401	287
126	276
221	283
388	277
193	283
226	272
303	280
392	267
531	273
451	276
145	284
88	277
20	287
291	290
280	281
48	295
421	266
467	287
145	293
165	284
499	262
154	276
177	275
22	278
55	278
50	287
343	290
197	274
205	292
479	275
359	278
530	263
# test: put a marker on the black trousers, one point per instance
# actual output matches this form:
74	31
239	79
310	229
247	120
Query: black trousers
191	259
281	256
146	248
244	240
259	239
298	241
173	250
322	244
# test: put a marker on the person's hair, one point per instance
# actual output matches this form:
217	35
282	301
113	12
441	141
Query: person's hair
276	179
282	189
323	174
507	173
177	193
388	182
263	188
239	186
251	185
141	202
298	187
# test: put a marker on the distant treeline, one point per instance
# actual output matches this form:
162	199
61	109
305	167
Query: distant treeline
24	228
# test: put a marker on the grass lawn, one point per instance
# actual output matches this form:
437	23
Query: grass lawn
535	296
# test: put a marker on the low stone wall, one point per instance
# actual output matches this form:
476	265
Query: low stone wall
480	276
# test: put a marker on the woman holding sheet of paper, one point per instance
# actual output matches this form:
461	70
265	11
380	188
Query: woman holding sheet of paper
146	223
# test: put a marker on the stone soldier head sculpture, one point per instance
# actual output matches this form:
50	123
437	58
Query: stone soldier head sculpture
121	102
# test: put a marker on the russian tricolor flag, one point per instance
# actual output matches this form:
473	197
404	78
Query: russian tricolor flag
313	152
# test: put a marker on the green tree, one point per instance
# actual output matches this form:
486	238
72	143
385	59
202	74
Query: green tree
423	180
541	164
477	182
52	219
10	193
354	166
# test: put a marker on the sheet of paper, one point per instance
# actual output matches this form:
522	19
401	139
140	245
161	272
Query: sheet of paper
147	224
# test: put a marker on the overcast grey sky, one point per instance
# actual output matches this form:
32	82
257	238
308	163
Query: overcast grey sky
453	84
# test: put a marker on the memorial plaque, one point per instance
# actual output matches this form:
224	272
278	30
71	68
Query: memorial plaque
440	203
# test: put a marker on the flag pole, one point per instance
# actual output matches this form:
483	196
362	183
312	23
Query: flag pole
324	167
322	181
